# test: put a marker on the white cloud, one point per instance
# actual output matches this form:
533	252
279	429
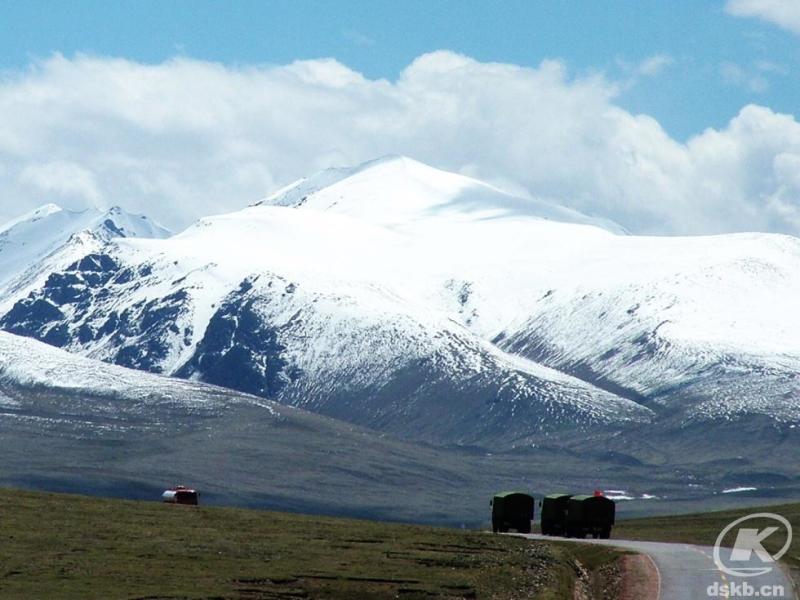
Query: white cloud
736	75
187	138
784	13
62	178
655	64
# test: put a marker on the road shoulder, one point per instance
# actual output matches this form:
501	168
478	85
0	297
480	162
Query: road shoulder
640	577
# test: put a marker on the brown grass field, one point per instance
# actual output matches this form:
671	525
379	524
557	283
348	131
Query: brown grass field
65	546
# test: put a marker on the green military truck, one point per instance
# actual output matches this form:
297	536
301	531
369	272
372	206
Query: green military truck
589	515
512	510
553	513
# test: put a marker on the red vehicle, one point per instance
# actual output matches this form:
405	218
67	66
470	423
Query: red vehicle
181	495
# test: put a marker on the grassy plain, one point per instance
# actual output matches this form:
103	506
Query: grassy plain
68	546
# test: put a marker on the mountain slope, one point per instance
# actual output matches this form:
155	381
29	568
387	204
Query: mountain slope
50	238
705	323
197	307
430	305
73	424
680	323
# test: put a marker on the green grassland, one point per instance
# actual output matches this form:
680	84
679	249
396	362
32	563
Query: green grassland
65	546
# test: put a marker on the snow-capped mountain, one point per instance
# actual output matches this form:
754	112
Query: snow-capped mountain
412	300
706	322
401	193
69	423
355	351
50	238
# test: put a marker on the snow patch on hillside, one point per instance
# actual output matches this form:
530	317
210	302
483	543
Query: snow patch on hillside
30	364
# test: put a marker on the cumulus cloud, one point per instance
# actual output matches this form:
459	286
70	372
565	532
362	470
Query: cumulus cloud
188	138
784	13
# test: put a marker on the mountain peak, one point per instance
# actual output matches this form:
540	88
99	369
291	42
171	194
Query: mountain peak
32	241
297	192
399	191
46	209
383	160
117	222
112	222
38	213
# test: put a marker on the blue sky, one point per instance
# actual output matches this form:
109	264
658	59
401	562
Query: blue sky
716	64
668	117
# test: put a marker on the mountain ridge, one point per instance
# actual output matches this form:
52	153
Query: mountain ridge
68	423
50	237
397	297
414	190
